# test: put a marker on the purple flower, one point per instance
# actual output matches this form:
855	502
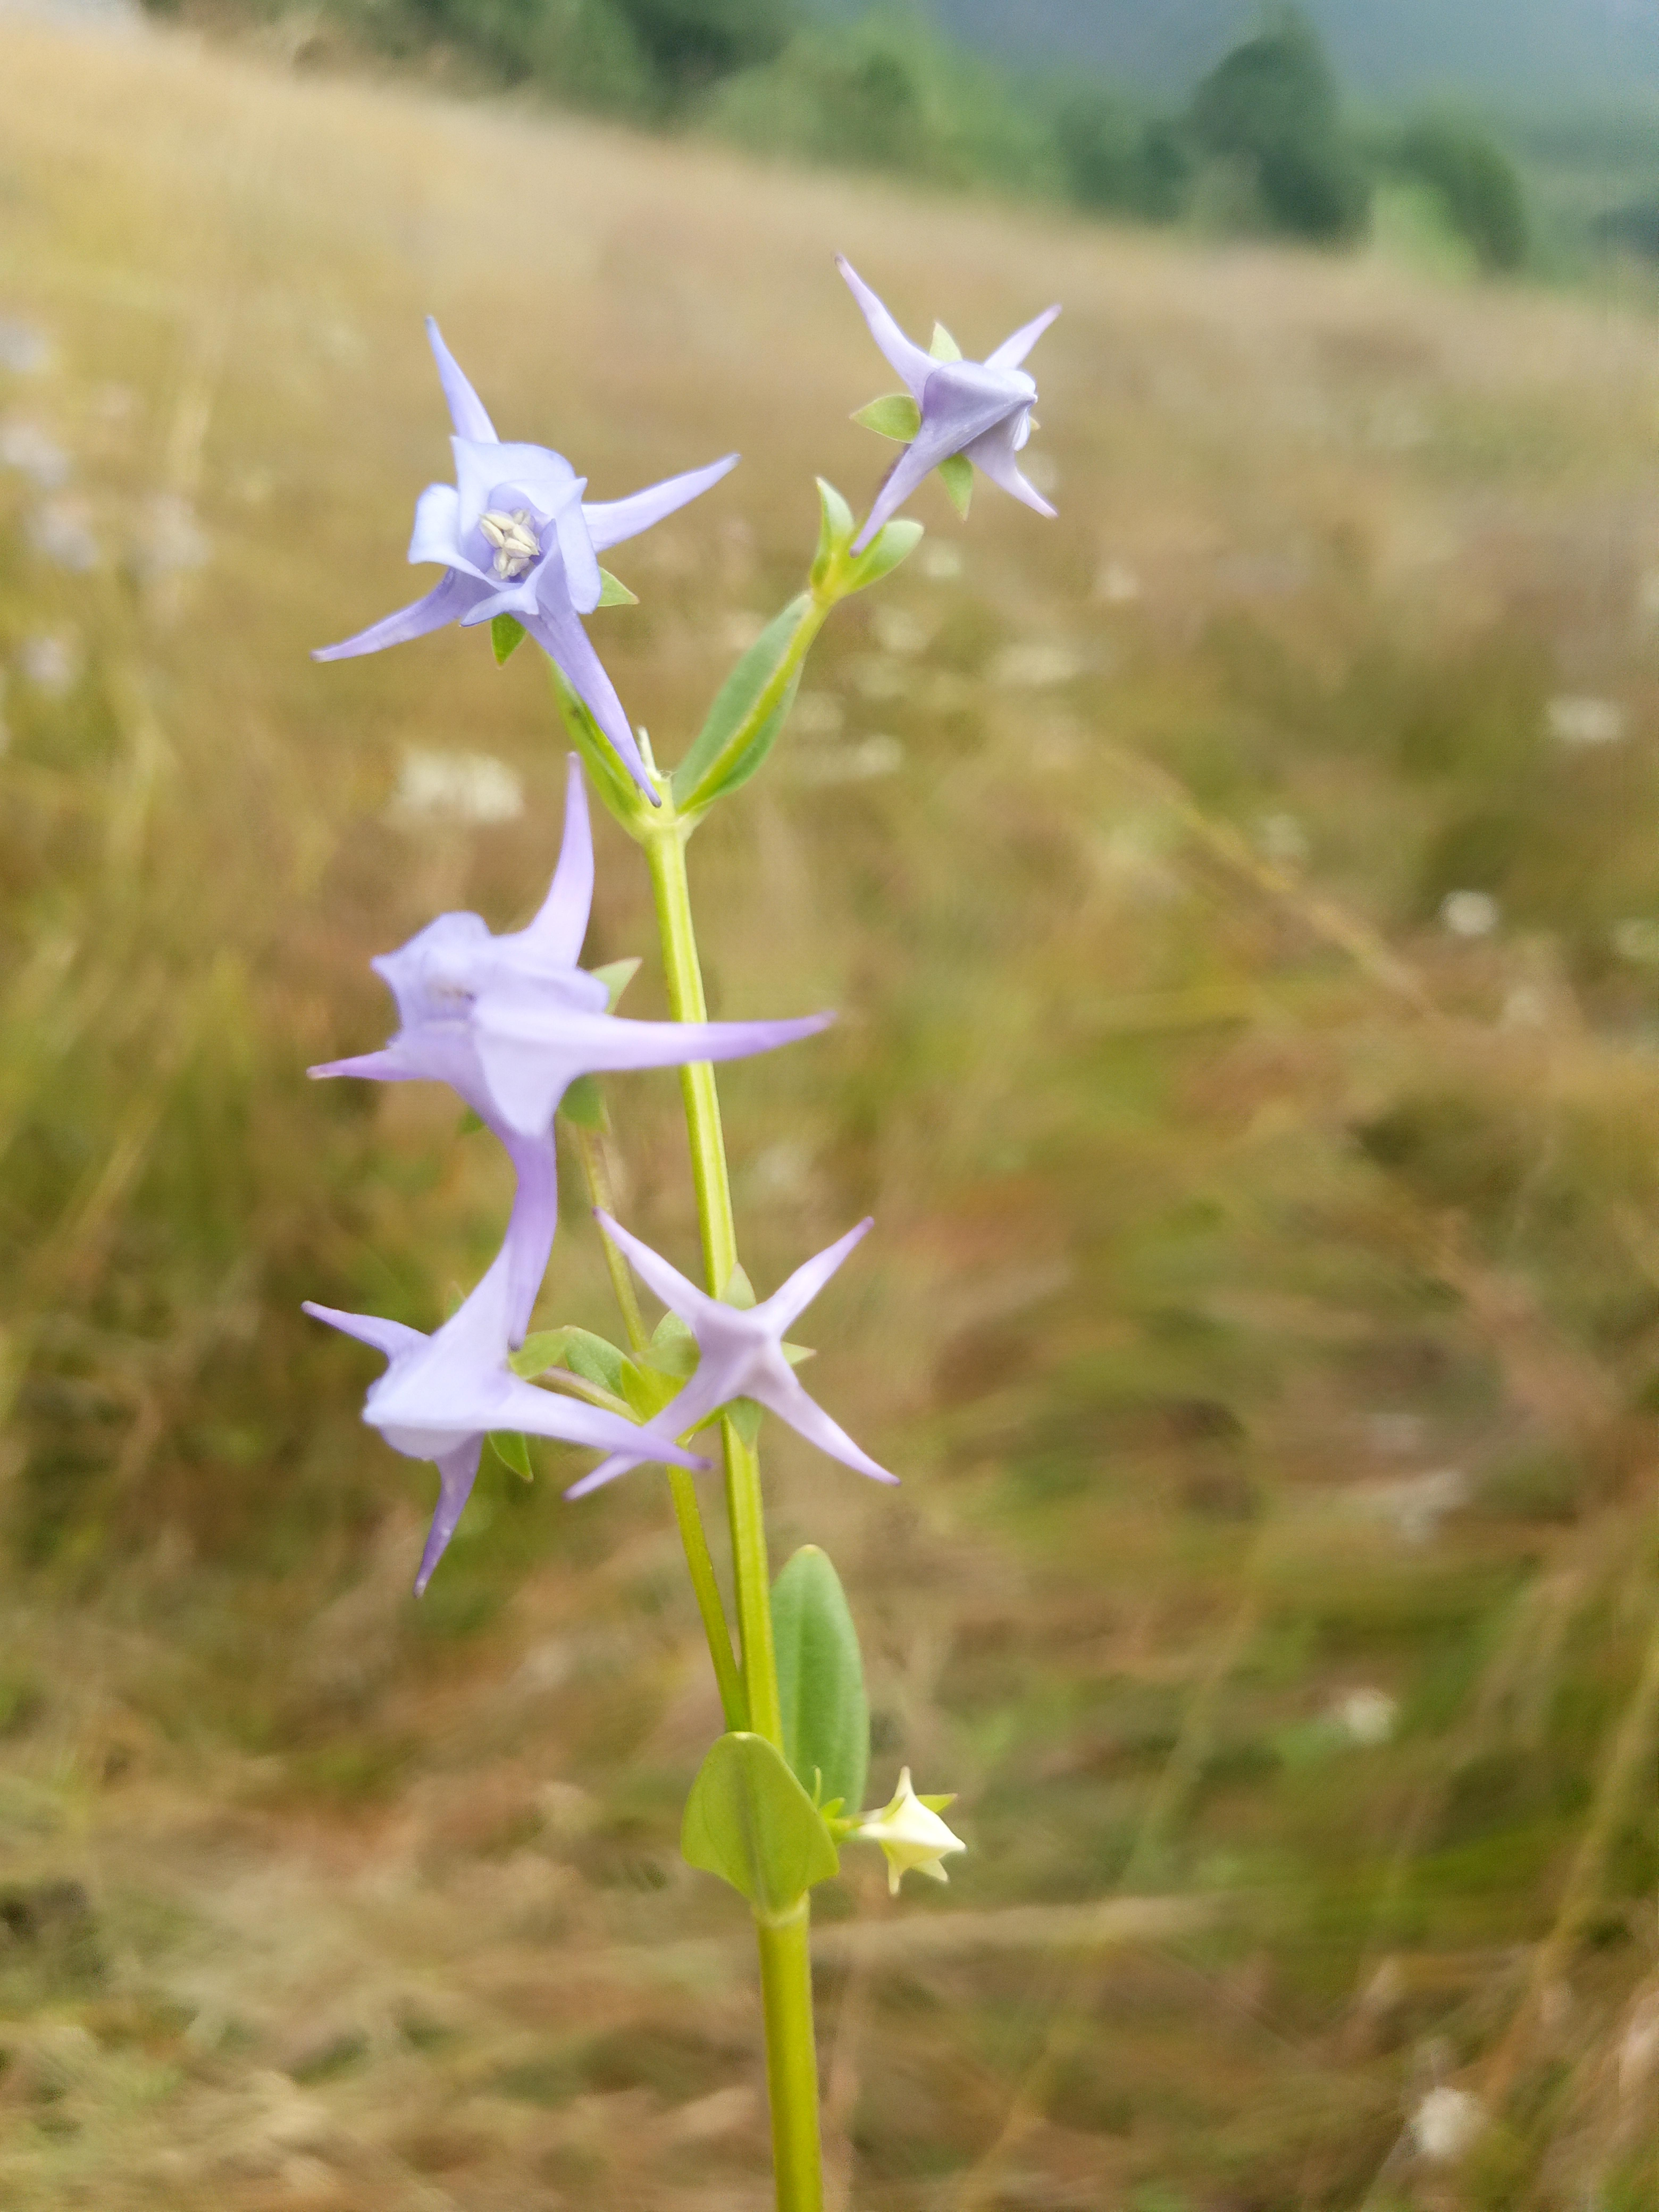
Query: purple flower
509	1023
442	1393
979	408
742	1355
515	537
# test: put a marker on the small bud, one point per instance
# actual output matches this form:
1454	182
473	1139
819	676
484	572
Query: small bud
912	1835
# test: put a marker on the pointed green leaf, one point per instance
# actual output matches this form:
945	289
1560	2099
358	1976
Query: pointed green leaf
795	1353
884	552
739	1291
957	473
945	347
547	1348
469	1125
826	1717
583	1103
745	1417
615	976
939	1804
736	697
836	528
894	416
506	635
749	1821
673	1349
511	1448
594	1359
646	1389
613	592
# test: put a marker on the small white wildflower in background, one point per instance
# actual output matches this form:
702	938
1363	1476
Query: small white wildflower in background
899	631
879	676
740	630
913	1836
1469	914
817	714
24	350
1282	840
940	563
52	661
1574	720
457	787
1368	1717
25	447
62	531
173	542
1031	667
1447	2123
1637	939
870	758
1118	584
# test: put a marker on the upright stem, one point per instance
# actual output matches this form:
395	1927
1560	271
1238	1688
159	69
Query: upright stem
785	1956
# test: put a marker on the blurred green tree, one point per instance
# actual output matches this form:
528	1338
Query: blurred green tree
1270	110
1476	181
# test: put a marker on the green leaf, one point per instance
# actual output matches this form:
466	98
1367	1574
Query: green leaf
836	528
673	1349
646	1389
896	416
469	1125
883	553
511	1448
826	1716
939	1804
547	1348
795	1353
583	1103
734	700
615	976
958	472
594	1359
506	635
745	1417
945	347
749	1821
739	1291
613	592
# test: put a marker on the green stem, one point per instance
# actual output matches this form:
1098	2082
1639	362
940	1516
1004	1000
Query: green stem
705	1585
786	1975
792	2072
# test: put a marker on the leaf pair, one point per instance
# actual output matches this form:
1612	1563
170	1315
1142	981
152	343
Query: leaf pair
759	1819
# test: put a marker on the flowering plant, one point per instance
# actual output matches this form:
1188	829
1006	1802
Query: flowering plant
520	1031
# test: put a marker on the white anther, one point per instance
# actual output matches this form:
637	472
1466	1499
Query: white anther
513	538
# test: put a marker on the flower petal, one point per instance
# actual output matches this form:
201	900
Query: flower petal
445	603
783	1395
389	1337
556	629
437	535
581	562
458	1471
560	924
791	1298
995	452
610	521
679	1295
467	409
511	474
912	364
1013	351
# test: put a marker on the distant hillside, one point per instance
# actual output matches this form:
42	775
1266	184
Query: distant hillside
1571	50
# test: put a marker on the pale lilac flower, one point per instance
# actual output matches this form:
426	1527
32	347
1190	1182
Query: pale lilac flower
742	1355
515	537
979	408
442	1394
912	1834
509	1023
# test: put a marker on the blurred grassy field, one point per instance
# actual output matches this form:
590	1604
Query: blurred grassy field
1244	901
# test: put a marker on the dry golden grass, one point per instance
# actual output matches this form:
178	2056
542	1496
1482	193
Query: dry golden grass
1265	1313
